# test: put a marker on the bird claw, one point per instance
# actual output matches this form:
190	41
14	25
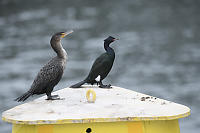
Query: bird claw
105	86
55	97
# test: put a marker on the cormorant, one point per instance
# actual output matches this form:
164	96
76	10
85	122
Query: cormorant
101	67
51	73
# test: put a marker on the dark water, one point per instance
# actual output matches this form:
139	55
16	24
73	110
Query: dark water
158	52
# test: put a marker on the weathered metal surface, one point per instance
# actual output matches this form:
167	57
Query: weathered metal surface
111	105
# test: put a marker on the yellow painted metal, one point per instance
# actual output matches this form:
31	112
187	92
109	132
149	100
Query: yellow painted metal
23	128
45	129
136	127
160	126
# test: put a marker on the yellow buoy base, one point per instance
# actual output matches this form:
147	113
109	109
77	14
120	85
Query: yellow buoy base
160	126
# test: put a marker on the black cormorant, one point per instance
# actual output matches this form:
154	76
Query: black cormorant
51	73
101	67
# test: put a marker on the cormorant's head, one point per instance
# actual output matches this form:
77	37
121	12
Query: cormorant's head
60	35
110	39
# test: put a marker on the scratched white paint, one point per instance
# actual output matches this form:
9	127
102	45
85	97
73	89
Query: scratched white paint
110	103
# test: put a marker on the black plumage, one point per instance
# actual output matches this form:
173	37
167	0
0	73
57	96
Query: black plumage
101	67
51	73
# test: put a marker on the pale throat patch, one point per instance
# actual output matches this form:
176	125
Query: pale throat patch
98	78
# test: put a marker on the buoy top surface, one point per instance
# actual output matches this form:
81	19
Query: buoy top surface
116	104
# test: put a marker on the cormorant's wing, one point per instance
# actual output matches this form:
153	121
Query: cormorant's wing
50	74
98	65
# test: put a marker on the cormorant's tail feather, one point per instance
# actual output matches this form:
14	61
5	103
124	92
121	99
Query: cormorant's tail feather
23	97
78	84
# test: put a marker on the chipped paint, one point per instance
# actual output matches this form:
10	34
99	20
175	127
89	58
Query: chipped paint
130	106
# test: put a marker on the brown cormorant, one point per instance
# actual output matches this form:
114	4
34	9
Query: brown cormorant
101	67
51	73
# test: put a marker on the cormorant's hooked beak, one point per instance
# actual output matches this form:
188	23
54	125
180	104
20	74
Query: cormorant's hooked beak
115	39
66	33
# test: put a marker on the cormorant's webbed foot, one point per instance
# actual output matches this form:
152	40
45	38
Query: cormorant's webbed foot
105	86
101	85
54	97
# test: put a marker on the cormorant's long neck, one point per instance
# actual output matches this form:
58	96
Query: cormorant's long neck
108	48
57	47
